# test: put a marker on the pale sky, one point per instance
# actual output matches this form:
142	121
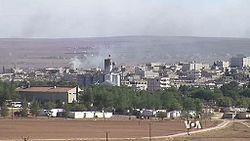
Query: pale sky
97	18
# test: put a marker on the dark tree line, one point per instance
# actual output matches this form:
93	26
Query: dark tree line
121	99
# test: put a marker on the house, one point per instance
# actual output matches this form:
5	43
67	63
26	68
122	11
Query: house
44	94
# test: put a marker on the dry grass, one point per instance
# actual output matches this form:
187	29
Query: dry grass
234	132
64	129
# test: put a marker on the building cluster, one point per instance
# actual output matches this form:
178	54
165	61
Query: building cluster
149	76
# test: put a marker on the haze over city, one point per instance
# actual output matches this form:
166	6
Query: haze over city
141	70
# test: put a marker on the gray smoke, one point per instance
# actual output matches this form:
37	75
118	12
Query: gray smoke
84	18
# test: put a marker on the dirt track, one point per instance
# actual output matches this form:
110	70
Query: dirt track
237	130
62	128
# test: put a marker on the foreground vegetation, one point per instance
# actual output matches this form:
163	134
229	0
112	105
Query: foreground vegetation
184	98
122	99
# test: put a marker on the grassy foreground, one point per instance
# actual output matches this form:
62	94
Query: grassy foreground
236	131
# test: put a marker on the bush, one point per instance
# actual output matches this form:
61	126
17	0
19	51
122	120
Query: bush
25	109
34	108
4	111
161	115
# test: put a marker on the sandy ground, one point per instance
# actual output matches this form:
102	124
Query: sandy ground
68	128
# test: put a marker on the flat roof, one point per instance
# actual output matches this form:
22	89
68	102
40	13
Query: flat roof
45	89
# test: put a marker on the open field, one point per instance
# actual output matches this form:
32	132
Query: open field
66	129
236	131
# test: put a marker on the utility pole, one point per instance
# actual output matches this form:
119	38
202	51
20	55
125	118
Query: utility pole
107	136
12	111
149	132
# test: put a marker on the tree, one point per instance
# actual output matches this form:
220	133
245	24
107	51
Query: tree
67	108
245	92
87	97
7	92
241	102
188	104
78	107
198	105
50	105
34	108
4	110
225	102
205	94
231	89
25	109
161	115
184	90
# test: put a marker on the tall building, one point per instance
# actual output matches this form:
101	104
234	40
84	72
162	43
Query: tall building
111	74
240	61
222	65
108	65
90	78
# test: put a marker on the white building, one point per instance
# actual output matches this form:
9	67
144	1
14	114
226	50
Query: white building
151	74
165	83
146	73
137	84
114	78
194	66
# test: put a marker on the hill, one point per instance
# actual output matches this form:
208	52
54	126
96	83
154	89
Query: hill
90	52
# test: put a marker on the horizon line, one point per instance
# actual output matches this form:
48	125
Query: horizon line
117	36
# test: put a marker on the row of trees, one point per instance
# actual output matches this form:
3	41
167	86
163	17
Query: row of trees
7	92
121	99
27	109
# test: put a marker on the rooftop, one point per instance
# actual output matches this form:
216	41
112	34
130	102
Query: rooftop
45	89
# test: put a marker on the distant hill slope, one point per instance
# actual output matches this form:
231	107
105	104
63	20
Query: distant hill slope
124	50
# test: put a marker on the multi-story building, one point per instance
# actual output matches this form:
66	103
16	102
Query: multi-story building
137	84
90	78
108	65
45	94
194	66
165	83
158	83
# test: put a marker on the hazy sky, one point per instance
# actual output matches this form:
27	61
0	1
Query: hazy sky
85	18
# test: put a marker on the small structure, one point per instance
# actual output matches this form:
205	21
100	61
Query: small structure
229	115
89	114
174	114
55	112
243	115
